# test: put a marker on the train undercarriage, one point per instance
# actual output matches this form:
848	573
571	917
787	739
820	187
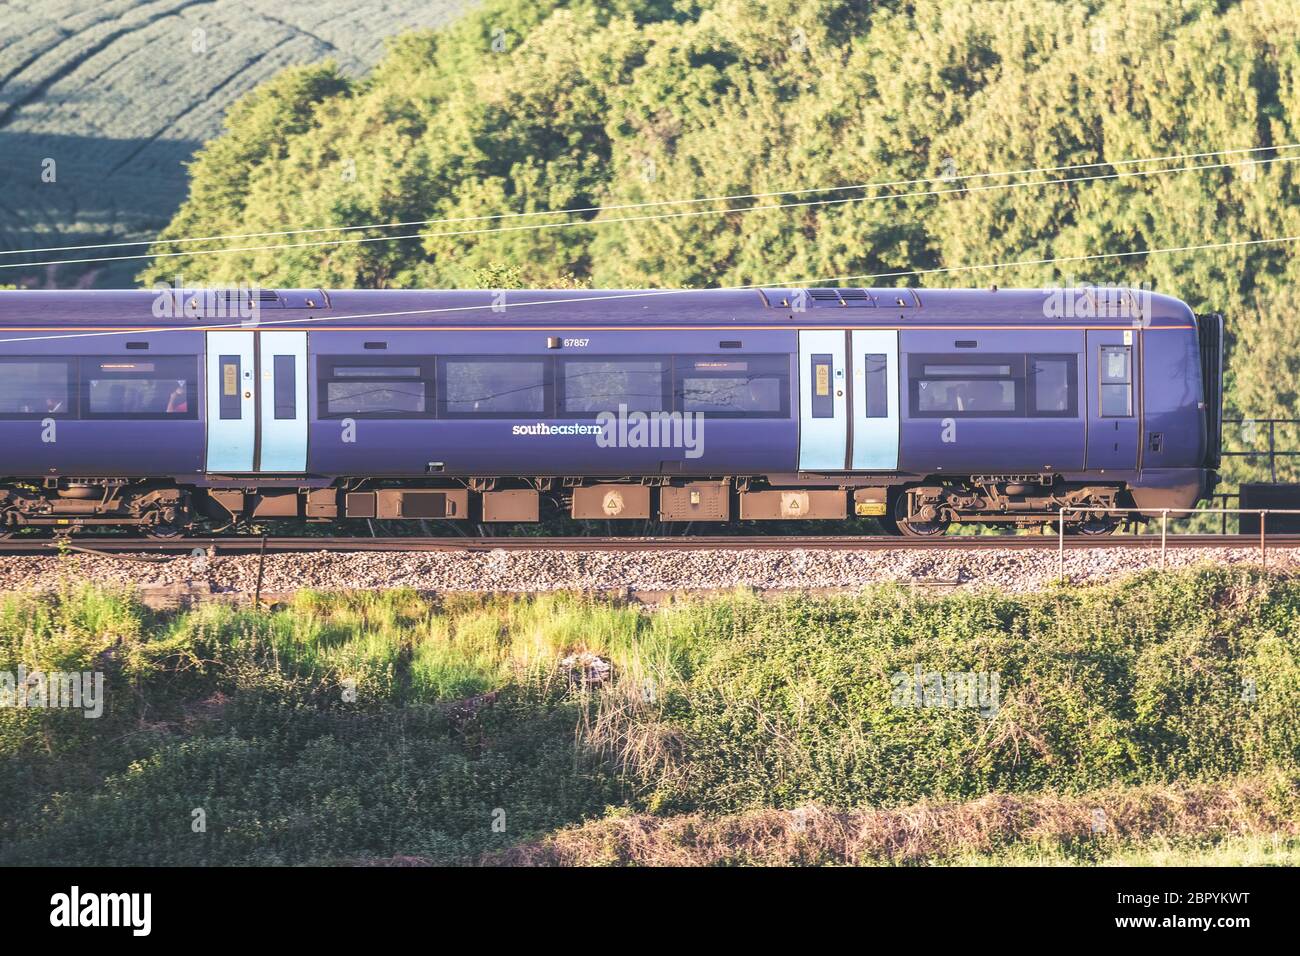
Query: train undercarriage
74	504
909	507
929	509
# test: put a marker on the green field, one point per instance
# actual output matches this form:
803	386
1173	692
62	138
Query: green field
120	94
1160	715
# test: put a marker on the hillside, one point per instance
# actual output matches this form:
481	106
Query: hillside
120	94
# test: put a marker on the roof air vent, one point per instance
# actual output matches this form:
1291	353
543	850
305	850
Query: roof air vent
858	297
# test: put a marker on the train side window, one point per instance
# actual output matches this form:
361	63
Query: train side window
1116	381
285	369
1053	386
387	387
36	387
495	387
594	385
230	408
823	403
164	387
967	386
876	366
752	386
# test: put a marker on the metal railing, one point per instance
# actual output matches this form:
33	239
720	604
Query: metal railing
1164	526
1225	497
1272	453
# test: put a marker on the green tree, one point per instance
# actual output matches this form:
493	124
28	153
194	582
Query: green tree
531	107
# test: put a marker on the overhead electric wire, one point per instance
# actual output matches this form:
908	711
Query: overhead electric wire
662	216
498	306
652	203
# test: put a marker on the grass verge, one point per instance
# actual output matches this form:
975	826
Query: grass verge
378	725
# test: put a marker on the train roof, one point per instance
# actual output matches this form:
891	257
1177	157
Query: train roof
1080	307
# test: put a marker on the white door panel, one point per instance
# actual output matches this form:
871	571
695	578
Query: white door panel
876	399
283	395
231	411
823	412
256	402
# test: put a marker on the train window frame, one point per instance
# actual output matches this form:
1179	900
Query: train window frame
821	370
875	385
562	364
780	361
424	366
1107	385
1071	360
89	365
954	365
284	387
230	407
548	388
72	396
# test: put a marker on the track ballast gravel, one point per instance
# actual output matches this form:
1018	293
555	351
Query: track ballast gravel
546	570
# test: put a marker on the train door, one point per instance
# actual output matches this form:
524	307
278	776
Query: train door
1113	400
875	395
257	402
823	401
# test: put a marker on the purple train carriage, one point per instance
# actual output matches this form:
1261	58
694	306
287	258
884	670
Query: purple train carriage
169	411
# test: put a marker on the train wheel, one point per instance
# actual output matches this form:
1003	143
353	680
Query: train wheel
1093	527
922	529
164	531
1099	525
915	529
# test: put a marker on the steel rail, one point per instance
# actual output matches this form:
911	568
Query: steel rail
203	546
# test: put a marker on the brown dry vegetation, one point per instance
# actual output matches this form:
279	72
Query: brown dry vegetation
928	831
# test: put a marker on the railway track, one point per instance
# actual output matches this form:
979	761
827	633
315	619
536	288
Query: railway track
247	545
